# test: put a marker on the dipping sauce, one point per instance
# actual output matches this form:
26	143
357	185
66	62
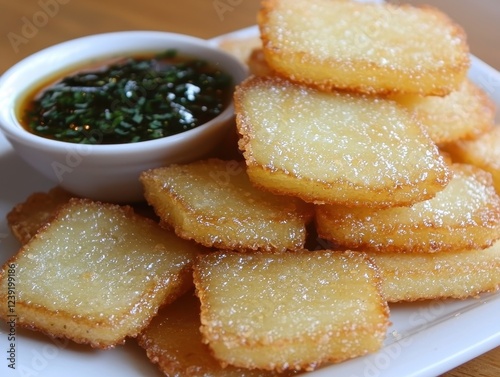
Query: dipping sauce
135	99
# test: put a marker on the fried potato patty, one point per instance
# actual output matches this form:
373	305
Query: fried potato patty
450	274
96	274
373	48
214	203
336	148
291	310
465	215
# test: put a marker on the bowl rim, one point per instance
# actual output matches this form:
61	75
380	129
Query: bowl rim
13	130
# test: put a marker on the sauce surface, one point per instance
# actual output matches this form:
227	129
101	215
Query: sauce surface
135	99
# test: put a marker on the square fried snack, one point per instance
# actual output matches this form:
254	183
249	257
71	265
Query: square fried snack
373	48
465	215
336	148
173	341
450	274
291	310
214	203
96	273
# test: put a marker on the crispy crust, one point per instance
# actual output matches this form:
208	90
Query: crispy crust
464	216
235	316
213	203
464	114
453	274
73	299
26	218
271	171
173	341
292	47
100	333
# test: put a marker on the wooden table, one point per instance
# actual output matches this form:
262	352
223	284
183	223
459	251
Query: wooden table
30	25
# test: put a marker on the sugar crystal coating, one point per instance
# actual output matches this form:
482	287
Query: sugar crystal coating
348	142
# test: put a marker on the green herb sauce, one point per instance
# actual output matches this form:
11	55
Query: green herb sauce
135	100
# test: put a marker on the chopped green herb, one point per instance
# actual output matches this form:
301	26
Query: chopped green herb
135	100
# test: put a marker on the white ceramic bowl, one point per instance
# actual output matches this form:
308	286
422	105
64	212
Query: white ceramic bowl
108	172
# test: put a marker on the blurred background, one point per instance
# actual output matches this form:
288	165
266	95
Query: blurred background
27	26
30	25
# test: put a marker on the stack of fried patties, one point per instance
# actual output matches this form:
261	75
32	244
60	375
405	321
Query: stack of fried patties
365	178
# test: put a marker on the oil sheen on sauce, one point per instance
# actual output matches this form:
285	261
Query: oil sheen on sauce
130	100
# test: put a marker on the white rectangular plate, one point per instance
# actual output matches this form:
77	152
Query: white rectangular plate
425	339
